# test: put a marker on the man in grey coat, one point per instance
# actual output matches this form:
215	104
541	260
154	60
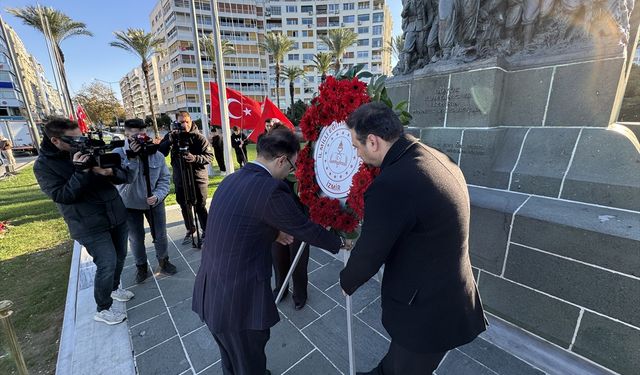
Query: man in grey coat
145	201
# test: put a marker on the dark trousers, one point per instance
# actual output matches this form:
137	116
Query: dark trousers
400	361
241	156
201	191
219	155
282	259
135	222
242	353
108	249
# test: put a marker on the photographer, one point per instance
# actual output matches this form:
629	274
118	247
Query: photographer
239	144
185	142
91	206
143	195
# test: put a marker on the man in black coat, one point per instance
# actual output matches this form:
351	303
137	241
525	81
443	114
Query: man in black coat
91	206
416	223
239	144
250	209
197	156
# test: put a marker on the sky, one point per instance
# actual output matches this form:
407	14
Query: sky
90	58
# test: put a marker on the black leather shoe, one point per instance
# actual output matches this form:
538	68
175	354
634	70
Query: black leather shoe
299	305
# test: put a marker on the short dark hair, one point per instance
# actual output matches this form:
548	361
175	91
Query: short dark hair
279	125
134	123
277	143
267	120
235	128
375	118
58	125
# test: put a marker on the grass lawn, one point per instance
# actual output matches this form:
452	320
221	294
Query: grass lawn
35	255
34	268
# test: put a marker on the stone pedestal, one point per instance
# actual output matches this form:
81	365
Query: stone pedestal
555	194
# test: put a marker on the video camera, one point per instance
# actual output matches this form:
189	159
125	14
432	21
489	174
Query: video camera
147	147
183	139
98	150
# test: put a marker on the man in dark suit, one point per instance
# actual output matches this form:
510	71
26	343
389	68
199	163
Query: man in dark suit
416	223
232	292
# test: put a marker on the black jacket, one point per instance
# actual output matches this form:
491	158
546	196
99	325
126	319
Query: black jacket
416	223
88	202
198	146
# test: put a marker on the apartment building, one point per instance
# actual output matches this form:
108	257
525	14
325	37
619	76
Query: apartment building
43	97
245	23
306	21
133	88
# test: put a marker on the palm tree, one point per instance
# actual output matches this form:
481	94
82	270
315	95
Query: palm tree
207	47
323	61
292	73
277	45
338	40
61	27
396	45
143	44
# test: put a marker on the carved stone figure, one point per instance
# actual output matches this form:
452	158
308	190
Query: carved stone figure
414	36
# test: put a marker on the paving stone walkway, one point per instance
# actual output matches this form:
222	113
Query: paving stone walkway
168	338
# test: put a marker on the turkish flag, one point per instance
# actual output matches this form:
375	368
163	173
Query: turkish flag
82	119
244	112
269	111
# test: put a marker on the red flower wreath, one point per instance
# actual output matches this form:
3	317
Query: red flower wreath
337	100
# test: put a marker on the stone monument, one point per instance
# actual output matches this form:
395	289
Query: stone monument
524	96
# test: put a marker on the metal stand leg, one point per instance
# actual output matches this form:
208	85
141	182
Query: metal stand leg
290	273
352	357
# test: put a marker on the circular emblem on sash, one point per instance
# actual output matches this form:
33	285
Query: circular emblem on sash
336	160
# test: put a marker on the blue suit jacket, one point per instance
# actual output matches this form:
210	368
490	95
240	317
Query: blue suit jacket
232	291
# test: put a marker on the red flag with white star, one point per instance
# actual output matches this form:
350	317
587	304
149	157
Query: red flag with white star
269	111
244	112
82	119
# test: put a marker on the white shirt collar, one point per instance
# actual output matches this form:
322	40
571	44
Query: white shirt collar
262	165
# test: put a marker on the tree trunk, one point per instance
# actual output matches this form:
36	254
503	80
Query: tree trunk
324	76
337	66
278	85
145	70
291	90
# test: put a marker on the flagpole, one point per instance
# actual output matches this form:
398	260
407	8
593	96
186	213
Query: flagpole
222	90
63	101
25	96
203	96
349	306
59	67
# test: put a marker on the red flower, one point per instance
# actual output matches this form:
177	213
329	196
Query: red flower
337	100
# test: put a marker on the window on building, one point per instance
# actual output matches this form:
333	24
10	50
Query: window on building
376	42
307	33
291	9
276	11
363	30
377	30
307	44
363	5
292	21
348	6
378	17
294	56
363	54
363	42
349	19
306	8
292	33
334	8
363	17
307	21
307	56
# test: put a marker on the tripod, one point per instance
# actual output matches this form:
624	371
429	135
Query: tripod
145	171
190	198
